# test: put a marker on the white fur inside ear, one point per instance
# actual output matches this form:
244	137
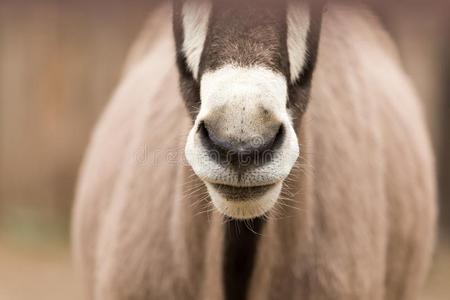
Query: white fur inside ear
195	16
298	23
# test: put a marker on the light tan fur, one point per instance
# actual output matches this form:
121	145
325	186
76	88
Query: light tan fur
357	216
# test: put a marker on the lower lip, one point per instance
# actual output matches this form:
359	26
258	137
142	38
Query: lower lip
234	193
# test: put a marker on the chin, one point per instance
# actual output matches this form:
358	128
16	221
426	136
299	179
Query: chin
244	203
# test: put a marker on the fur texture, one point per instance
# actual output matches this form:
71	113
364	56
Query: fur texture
356	219
195	17
298	20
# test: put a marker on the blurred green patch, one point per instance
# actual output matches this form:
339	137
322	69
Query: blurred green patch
27	227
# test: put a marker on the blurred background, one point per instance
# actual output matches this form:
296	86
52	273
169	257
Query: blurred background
59	63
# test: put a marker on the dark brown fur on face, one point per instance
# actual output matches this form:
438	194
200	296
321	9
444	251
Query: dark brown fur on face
357	217
248	33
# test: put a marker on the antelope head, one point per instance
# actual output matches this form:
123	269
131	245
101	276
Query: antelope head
245	75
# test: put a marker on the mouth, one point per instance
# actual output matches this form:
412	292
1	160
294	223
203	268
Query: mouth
247	193
244	203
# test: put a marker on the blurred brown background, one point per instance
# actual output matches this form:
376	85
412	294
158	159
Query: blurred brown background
59	63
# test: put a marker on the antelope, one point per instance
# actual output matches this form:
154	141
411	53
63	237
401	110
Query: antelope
258	150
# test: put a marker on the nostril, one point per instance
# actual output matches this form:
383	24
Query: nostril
238	153
204	135
210	139
202	130
278	138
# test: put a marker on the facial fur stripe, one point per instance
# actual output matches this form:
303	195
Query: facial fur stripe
298	22
195	25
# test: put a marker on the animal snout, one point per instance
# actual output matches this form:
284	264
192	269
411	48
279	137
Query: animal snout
243	146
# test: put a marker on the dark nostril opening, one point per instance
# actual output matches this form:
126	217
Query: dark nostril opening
202	130
211	141
241	155
279	138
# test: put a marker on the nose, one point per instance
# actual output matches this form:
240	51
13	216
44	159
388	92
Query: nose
241	151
